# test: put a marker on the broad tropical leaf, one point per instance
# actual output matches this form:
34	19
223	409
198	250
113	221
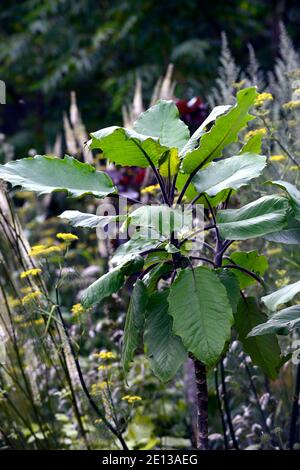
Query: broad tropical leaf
258	264
162	121
169	163
133	247
193	141
290	235
110	282
127	147
231	284
231	173
165	351
265	215
159	220
223	132
151	279
253	145
281	323
264	351
81	219
201	312
281	296
45	174
293	192
134	323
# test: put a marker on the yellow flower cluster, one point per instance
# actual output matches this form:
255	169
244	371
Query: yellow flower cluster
106	368
261	131
30	272
131	398
44	250
282	282
13	303
105	355
29	297
277	158
294	104
97	388
39	321
293	168
281	272
66	237
77	310
150	189
262	98
274	251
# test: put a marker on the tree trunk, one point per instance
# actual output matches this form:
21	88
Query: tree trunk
202	405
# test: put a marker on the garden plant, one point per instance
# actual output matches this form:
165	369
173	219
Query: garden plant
190	295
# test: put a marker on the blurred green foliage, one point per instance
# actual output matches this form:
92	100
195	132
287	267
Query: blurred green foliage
49	48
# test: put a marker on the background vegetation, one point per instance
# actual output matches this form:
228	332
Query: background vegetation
99	49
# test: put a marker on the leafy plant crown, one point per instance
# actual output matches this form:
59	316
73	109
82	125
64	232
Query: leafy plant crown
201	298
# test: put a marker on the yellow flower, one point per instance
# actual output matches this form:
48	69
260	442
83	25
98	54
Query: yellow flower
77	309
30	272
39	321
150	189
131	398
281	272
66	237
105	355
277	158
239	85
274	251
29	297
102	368
97	388
261	131
262	98
294	104
13	302
293	168
44	250
98	421
18	318
282	282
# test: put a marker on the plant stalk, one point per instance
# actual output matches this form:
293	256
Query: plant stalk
202	405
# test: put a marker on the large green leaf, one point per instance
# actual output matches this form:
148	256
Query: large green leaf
292	191
223	132
165	351
110	282
81	219
169	163
151	279
201	312
162	121
232	286
193	141
281	296
131	248
264	351
265	215
159	220
45	174
281	322
134	323
253	145
231	173
126	147
290	235
258	264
